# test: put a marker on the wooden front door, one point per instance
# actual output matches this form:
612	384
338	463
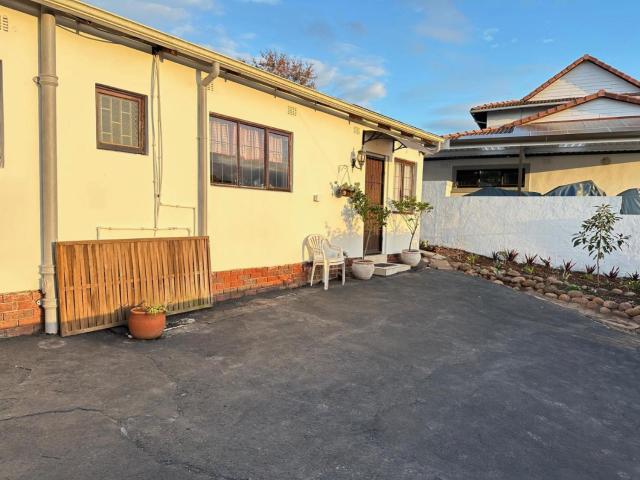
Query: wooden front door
374	189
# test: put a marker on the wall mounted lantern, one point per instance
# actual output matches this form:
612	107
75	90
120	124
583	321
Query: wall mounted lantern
358	159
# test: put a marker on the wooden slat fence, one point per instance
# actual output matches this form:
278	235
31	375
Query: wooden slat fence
100	280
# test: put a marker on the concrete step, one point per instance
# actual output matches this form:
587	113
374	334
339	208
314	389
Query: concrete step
387	269
381	258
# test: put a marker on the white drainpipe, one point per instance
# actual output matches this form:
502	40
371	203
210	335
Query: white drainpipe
48	82
203	161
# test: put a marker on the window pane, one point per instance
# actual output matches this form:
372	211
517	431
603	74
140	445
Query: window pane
397	181
408	181
278	161
490	177
118	121
251	171
224	151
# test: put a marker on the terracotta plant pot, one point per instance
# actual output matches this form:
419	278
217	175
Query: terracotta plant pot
146	326
411	257
362	269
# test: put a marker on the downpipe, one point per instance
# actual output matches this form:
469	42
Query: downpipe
203	162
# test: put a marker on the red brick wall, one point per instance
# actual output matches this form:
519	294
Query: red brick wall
249	281
20	314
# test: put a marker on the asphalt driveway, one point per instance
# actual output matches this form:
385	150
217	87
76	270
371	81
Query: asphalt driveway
428	375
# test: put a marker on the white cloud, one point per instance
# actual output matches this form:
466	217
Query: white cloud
548	40
227	45
442	21
172	15
361	90
488	34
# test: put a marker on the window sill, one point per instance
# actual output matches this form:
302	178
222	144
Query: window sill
246	187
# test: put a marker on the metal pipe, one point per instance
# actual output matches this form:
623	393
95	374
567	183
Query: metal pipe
203	163
520	166
48	82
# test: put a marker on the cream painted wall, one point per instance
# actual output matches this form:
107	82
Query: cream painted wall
248	228
251	228
19	185
110	188
547	173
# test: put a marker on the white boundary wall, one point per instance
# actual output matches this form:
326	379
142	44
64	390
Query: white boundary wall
530	225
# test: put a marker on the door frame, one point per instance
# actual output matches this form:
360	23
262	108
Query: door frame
383	159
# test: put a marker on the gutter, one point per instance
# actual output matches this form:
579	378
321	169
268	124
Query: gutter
101	19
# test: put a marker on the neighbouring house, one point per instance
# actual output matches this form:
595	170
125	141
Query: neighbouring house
581	124
113	130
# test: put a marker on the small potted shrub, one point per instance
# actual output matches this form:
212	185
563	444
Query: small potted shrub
147	322
411	211
375	216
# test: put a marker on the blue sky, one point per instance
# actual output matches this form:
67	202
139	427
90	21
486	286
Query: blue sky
424	62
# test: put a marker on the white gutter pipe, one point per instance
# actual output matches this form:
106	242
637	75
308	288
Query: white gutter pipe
48	82
203	150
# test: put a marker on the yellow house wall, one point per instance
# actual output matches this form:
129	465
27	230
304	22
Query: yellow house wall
248	228
547	173
19	184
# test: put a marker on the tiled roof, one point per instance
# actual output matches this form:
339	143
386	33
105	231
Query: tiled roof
585	58
559	108
515	103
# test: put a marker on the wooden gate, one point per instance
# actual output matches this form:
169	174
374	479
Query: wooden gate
100	280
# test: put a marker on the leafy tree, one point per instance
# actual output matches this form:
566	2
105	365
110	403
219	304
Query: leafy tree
286	66
372	214
411	211
597	235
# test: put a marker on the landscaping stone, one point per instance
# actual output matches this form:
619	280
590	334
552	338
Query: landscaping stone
598	300
620	314
540	291
564	297
498	282
579	300
604	310
518	279
629	294
592	305
624	306
575	293
513	273
484	271
427	254
610	304
633	312
538	279
440	264
528	289
551	295
464	267
616	291
636	319
540	285
551	289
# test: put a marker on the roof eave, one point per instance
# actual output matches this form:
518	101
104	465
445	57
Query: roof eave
129	28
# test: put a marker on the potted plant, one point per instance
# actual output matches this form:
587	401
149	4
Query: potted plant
411	211
345	189
373	215
147	322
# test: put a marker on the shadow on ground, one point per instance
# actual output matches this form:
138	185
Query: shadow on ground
428	375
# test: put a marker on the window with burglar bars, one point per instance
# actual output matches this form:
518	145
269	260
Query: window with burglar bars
248	155
121	120
405	179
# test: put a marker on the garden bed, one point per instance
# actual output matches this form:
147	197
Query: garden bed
615	299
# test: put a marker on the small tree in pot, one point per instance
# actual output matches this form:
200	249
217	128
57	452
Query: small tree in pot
147	322
374	216
411	211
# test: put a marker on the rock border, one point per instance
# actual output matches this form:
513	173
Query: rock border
623	316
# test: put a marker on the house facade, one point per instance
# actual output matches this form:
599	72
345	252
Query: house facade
110	129
581	124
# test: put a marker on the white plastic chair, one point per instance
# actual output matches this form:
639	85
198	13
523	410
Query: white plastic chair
325	254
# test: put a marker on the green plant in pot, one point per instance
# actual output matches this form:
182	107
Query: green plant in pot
147	322
411	211
374	216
